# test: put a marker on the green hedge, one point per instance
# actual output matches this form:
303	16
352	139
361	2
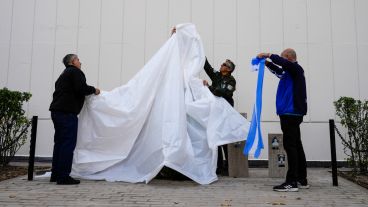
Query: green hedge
13	123
354	117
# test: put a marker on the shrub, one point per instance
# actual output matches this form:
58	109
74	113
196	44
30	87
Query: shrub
13	123
354	117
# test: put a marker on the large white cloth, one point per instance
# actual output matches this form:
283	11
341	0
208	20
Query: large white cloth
163	116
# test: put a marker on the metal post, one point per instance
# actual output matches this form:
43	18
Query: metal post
32	148
333	152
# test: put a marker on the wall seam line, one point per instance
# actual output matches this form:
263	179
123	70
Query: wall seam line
122	43
78	25
236	43
308	63
332	55
10	44
356	47
259	26
32	48
99	47
213	31
145	33
54	55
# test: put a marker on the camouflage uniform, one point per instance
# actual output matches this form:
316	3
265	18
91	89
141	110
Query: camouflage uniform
222	86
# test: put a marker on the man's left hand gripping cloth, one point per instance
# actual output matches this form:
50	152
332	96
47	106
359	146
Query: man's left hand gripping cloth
163	116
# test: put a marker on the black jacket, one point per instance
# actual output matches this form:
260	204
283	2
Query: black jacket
222	86
70	90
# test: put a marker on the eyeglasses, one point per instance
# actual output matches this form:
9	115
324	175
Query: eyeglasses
74	58
226	64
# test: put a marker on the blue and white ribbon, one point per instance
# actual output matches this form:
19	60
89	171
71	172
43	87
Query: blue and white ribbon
255	125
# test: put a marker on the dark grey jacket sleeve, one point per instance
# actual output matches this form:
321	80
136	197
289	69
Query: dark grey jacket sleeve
80	85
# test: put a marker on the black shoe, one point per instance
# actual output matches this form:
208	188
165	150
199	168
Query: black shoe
287	187
225	172
222	171
303	184
67	181
53	179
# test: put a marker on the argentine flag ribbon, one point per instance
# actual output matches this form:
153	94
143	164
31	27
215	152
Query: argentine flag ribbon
255	125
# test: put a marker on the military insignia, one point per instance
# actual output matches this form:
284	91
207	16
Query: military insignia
230	87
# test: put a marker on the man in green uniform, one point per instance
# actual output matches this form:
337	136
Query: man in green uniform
223	85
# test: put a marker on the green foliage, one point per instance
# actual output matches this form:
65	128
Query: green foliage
354	117
13	123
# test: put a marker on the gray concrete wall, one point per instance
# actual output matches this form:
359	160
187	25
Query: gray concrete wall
114	38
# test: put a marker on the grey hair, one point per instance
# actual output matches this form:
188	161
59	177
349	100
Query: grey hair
290	53
230	64
68	59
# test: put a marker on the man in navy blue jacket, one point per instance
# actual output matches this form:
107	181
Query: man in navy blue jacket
67	102
291	106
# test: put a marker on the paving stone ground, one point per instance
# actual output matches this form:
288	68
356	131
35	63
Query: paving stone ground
253	191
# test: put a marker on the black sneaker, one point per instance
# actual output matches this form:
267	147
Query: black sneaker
67	181
303	184
287	187
222	171
53	177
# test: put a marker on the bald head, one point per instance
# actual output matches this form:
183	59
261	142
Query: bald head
289	54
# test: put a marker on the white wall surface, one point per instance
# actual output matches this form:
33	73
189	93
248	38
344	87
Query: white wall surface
114	39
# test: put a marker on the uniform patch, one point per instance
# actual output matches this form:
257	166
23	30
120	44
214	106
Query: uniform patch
230	87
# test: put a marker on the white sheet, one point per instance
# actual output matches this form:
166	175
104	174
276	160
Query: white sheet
163	116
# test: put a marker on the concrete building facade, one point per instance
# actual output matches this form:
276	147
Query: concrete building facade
114	39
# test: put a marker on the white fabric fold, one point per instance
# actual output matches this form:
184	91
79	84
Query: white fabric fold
163	116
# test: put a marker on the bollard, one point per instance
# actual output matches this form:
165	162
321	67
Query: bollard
238	163
277	159
333	152
32	148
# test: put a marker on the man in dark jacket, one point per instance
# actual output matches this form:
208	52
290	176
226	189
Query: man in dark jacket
68	98
291	106
223	85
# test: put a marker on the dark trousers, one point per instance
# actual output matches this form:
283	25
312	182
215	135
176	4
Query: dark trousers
222	162
65	140
290	126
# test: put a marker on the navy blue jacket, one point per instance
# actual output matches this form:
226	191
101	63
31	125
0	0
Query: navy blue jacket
291	98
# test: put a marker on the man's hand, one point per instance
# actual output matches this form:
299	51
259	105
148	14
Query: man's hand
264	55
173	30
97	91
205	83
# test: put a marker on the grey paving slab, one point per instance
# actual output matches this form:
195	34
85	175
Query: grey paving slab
254	191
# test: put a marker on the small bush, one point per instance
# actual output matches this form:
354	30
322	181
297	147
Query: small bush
13	123
354	116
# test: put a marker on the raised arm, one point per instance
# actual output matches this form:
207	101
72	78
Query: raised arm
284	63
274	69
209	69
